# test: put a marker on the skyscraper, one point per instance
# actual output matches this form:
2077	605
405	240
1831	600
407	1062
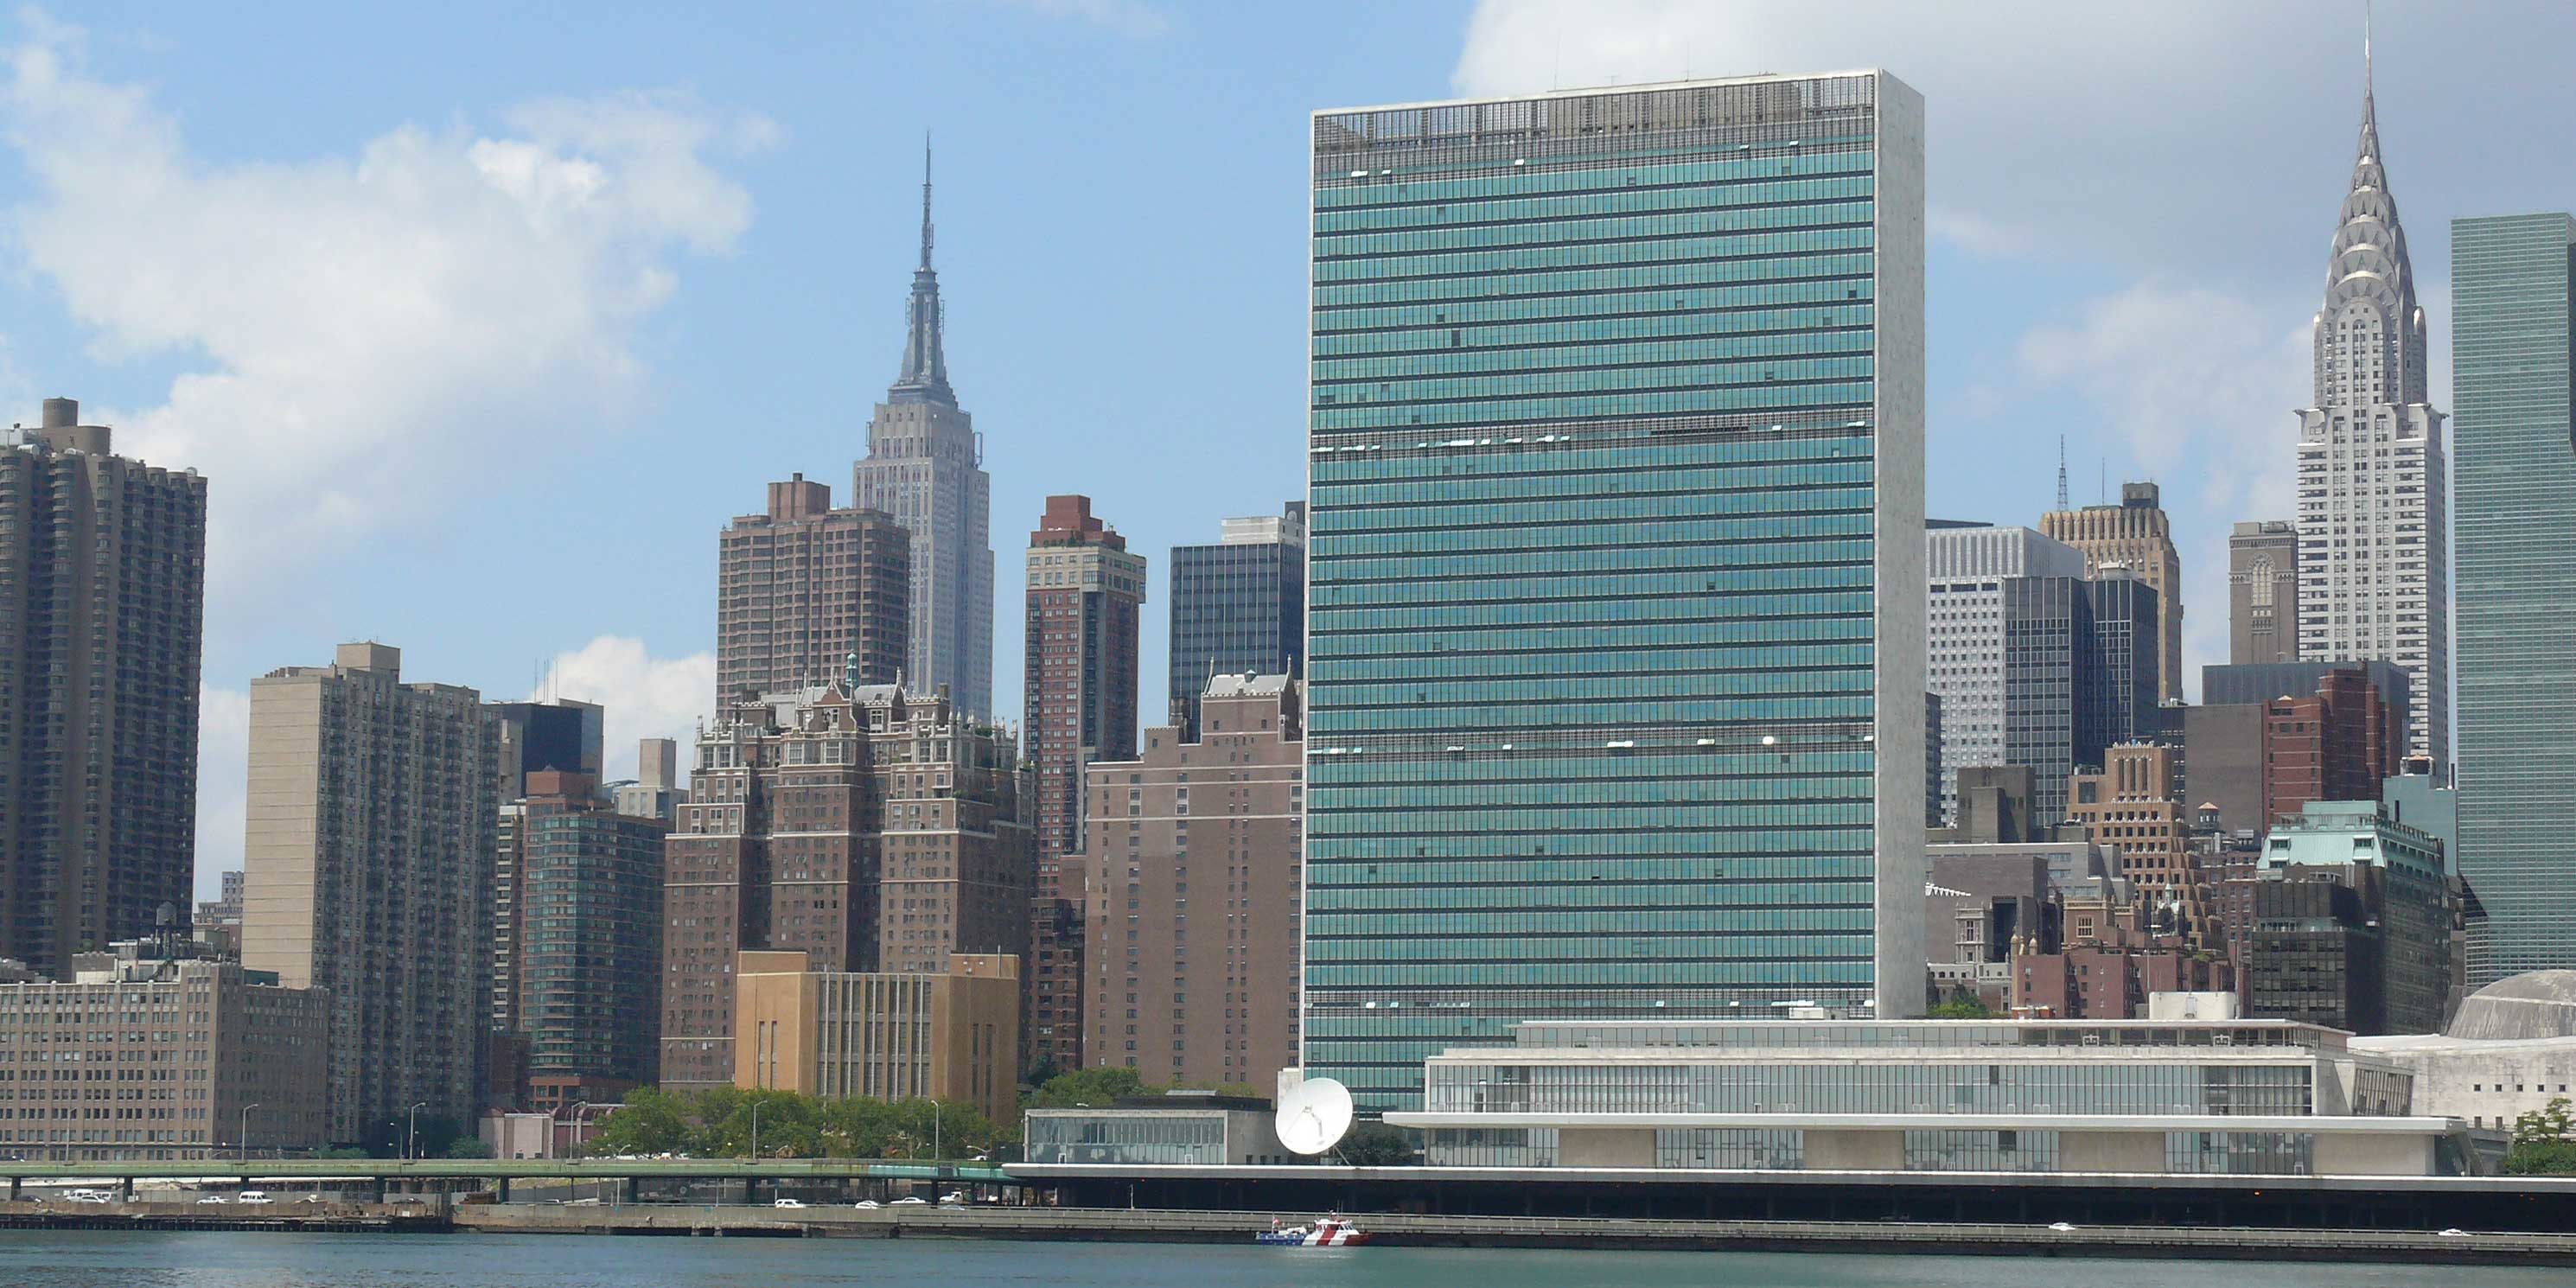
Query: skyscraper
802	588
2116	694
102	622
1226	1012
557	736
2137	535
1615	566
1238	607
867	828
367	870
2263	593
2010	652
925	467
588	959
2510	284
2373	557
1085	594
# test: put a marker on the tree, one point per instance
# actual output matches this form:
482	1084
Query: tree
2544	1142
1375	1144
1961	1005
1088	1088
469	1147
652	1121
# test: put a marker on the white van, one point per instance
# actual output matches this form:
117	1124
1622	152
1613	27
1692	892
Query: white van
253	1196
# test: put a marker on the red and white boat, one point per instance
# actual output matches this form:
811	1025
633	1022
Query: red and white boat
1328	1232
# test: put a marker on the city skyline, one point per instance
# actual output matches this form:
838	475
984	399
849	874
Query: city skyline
2066	310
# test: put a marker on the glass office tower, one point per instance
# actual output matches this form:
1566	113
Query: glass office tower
1615	617
2515	510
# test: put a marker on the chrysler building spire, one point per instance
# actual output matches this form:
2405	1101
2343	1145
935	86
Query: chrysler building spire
2374	561
925	368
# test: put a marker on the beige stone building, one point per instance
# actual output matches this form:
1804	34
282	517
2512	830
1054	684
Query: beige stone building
951	1036
1196	856
138	1056
368	857
2137	535
2133	806
870	829
102	607
802	588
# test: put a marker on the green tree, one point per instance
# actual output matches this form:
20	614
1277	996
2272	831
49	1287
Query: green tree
1375	1144
469	1147
2544	1142
1088	1088
1961	1005
652	1121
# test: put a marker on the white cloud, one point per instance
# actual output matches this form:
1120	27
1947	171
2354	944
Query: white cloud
359	334
645	696
223	782
2202	386
2037	140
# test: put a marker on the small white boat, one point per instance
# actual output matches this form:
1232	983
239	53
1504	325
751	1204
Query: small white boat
1329	1232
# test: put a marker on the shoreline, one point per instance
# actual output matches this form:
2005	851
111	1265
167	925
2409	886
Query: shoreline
1108	1225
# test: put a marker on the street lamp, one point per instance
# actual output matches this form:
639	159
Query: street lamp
244	1137
755	1129
934	1133
577	1110
411	1135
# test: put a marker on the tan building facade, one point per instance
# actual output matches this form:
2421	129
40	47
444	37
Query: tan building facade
2263	593
1203	836
137	1057
2133	806
802	588
102	608
950	1036
869	829
373	819
2137	535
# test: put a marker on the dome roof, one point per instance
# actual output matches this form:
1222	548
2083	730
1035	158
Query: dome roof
2539	1004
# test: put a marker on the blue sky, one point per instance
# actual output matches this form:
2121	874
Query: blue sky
483	325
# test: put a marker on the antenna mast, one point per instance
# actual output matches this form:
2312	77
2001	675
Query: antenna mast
2061	472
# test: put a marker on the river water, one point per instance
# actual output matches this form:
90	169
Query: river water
83	1259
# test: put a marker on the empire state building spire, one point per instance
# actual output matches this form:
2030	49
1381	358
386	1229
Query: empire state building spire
924	377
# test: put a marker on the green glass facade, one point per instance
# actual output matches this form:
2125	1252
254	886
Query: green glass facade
590	943
1617	694
2514	509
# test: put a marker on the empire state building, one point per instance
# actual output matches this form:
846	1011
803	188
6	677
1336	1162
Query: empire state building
925	467
2373	559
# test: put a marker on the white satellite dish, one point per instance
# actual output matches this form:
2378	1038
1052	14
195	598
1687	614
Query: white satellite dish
1313	1115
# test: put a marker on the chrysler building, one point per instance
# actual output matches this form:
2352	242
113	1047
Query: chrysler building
2373	559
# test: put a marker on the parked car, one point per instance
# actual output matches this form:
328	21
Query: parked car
90	1196
788	1203
253	1196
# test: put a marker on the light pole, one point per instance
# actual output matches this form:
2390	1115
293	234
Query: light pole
755	1129
244	1136
577	1110
934	1133
411	1134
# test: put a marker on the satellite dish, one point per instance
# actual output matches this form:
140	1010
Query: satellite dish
1313	1115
